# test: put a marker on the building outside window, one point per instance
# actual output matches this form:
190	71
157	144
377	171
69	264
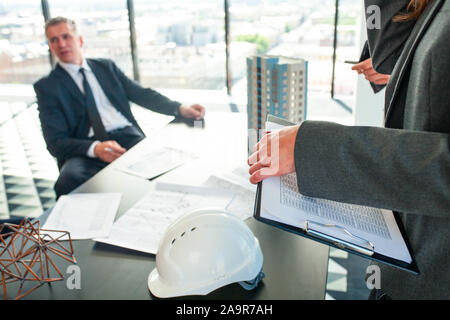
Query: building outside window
181	43
275	88
296	29
23	47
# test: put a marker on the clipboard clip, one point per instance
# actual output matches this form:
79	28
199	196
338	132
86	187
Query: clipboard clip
342	244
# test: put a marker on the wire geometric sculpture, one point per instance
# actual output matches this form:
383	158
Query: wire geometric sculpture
26	248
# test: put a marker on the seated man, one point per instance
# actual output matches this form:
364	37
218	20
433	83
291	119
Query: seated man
85	111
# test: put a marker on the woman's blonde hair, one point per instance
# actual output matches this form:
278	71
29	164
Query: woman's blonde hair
413	10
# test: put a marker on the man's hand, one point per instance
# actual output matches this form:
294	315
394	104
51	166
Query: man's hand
108	151
369	72
195	111
273	155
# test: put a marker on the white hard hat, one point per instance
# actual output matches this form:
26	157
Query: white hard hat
205	250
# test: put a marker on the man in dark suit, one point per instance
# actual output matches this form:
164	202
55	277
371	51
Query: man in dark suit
85	111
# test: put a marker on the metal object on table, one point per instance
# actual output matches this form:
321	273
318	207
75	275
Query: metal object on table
25	255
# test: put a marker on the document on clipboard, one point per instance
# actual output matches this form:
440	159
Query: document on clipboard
369	232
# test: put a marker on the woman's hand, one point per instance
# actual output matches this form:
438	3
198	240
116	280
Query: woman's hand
369	72
273	155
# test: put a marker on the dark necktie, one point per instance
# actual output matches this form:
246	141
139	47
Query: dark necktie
94	117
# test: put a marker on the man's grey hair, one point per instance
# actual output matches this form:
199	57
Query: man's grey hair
57	20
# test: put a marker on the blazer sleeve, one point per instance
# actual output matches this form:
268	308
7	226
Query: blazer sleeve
399	170
146	97
54	125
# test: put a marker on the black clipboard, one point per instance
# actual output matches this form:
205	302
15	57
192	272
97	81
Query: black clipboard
334	242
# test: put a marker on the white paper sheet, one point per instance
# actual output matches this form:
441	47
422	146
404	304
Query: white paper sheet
241	197
85	216
240	176
143	225
150	121
155	161
243	202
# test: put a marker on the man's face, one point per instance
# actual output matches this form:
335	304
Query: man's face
65	43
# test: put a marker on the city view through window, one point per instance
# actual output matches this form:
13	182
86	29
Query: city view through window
23	47
181	44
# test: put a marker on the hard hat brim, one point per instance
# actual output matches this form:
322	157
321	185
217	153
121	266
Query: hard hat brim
161	290
156	287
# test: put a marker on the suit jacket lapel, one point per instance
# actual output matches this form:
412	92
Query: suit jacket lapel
405	59
68	82
103	79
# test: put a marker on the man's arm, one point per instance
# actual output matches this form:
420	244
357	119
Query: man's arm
54	125
155	101
146	97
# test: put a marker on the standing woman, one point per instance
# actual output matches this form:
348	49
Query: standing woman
404	167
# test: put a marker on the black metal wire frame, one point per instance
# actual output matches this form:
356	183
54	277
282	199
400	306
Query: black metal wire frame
47	16
333	76
133	45
336	21
228	81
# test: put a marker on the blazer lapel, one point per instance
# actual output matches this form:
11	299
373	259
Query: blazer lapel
405	59
68	82
103	79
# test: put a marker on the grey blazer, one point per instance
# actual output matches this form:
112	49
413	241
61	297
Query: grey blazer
404	167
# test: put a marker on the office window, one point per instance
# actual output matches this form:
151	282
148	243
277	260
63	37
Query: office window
299	29
181	43
104	26
348	33
23	49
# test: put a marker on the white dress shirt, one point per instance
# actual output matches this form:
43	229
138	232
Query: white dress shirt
112	119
